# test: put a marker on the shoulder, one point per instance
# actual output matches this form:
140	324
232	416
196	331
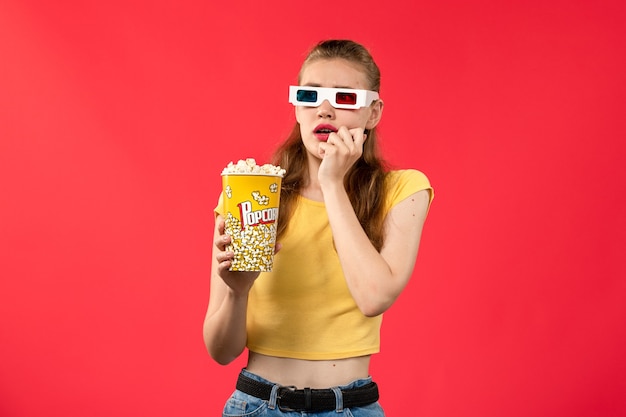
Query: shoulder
405	182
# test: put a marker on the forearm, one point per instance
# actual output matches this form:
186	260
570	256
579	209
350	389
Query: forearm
367	274
225	328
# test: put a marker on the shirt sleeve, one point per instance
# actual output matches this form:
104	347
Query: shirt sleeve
404	183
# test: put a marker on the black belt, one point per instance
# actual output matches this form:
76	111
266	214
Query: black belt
308	399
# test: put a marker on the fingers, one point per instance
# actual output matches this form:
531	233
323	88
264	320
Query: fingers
358	136
350	138
340	152
239	281
347	142
221	225
222	240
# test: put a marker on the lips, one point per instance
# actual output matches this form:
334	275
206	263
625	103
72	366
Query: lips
322	132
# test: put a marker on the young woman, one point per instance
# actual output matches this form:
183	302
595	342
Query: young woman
349	231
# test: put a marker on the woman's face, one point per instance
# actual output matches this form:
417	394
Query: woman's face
314	121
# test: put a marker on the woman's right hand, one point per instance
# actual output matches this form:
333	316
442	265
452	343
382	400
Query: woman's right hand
238	281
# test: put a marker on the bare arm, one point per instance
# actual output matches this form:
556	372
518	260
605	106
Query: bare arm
225	322
375	279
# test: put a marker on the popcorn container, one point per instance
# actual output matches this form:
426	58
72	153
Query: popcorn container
251	202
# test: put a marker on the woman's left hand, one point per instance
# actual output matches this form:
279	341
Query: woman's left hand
339	153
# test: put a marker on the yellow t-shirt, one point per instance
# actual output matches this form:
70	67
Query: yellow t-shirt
303	309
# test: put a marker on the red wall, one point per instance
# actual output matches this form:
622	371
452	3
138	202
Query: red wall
116	119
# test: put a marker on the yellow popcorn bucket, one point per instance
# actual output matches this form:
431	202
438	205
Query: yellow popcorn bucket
251	204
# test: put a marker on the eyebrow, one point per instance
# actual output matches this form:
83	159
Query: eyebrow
339	87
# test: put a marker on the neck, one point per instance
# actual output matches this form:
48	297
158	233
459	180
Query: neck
312	189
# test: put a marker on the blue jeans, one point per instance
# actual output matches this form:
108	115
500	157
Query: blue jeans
244	405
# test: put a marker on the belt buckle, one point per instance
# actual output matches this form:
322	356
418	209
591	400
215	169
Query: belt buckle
279	397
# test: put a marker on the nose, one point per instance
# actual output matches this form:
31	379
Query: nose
325	110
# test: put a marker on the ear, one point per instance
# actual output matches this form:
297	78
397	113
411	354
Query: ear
375	115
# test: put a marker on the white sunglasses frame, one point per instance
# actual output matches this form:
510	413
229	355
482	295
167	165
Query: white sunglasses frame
364	98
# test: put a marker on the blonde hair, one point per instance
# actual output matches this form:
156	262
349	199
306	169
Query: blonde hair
365	181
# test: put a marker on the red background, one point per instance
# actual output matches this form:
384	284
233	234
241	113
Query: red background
116	119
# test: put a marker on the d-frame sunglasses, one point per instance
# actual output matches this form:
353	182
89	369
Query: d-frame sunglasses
339	98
